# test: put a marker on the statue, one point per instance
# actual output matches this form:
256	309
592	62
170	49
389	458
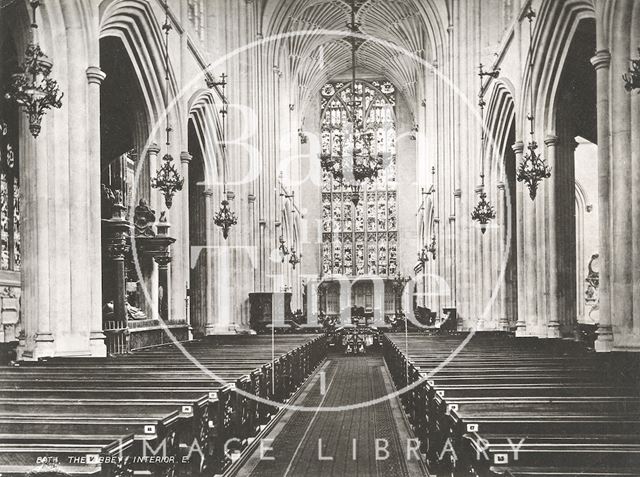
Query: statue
143	220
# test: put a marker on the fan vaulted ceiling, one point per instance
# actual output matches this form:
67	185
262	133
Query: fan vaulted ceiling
396	41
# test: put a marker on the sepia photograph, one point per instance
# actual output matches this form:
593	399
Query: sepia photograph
319	238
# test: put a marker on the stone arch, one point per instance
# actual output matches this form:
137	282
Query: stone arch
500	130
208	126
554	28
135	24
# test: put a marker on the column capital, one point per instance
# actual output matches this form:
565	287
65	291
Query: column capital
163	260
95	75
185	157
500	185
457	193
551	140
601	59
518	147
207	193
153	149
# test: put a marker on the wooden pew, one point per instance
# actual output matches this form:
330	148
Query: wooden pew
121	407
566	402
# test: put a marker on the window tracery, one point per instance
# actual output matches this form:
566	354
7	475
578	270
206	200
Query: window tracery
359	238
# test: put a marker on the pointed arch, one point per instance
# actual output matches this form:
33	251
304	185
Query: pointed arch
136	25
203	111
554	29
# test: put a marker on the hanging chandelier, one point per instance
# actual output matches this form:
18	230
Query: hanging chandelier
225	218
483	212
167	179
31	88
332	164
533	168
632	78
365	165
294	259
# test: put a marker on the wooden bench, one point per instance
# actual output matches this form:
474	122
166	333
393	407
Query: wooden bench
566	404
118	408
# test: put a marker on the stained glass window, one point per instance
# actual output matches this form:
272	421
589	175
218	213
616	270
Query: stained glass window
10	257
359	239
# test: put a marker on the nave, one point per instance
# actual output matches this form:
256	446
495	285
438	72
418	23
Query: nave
485	406
238	181
345	424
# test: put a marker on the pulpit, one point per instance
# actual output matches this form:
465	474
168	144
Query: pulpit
136	258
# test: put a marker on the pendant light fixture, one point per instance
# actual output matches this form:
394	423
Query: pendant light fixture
364	164
167	179
294	259
533	167
224	218
483	213
31	87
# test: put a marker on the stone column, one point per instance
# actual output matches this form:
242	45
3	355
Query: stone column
378	301
553	324
185	160
117	249
95	77
566	224
601	62
163	284
501	254
312	300
345	301
523	303
155	200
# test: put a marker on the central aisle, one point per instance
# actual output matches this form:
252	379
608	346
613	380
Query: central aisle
340	443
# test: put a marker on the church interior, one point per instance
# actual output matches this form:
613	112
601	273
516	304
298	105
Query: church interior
320	237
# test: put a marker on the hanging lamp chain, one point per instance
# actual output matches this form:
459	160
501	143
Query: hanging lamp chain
34	22
166	27
533	167
483	213
167	178
530	16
